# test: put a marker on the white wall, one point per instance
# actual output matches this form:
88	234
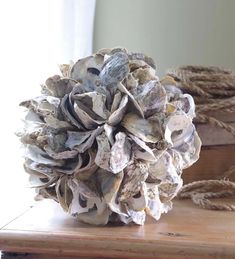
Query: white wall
173	32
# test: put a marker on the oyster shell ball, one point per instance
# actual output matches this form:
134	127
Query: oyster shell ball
108	140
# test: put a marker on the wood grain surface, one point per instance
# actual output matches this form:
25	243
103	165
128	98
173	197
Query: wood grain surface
185	232
213	162
213	136
222	115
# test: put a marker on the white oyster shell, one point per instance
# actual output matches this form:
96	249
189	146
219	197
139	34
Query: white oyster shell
120	153
146	130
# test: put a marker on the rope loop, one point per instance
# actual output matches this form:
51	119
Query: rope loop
213	89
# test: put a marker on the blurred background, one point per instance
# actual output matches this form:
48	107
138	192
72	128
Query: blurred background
172	32
38	35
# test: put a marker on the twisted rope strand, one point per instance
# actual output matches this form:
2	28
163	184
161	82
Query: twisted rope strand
218	105
199	192
213	90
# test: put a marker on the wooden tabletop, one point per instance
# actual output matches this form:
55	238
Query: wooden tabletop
185	232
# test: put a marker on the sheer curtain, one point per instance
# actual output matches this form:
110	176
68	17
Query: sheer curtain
36	36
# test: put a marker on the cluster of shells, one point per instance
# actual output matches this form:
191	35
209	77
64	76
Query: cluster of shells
108	140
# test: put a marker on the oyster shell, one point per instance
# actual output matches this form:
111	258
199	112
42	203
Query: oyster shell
94	217
144	75
88	118
109	131
116	101
38	169
87	71
131	82
120	153
114	69
40	181
155	207
59	86
146	130
43	105
88	209
139	201
103	153
109	184
56	124
123	89
110	51
89	142
118	114
65	69
178	129
84	173
137	217
186	104
79	203
32	128
163	172
63	193
67	154
68	111
147	154
190	150
134	175
96	101
151	97
37	155
76	138
141	56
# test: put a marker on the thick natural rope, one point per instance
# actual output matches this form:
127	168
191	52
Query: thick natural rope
220	104
227	173
213	89
201	191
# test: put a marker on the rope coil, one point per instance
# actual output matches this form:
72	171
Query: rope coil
201	191
213	89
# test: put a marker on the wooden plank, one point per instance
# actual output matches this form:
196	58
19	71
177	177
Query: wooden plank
42	256
212	135
186	232
213	162
223	116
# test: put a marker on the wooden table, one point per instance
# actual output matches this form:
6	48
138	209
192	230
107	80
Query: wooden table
185	232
